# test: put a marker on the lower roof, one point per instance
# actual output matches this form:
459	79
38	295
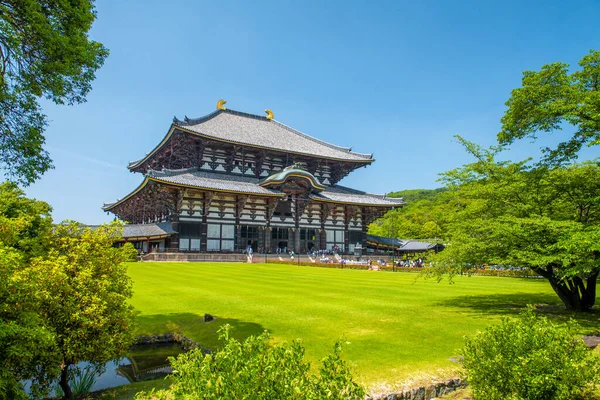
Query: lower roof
195	178
150	231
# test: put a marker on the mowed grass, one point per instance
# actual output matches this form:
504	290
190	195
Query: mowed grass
399	327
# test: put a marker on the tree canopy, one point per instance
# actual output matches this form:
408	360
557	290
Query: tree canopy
425	215
45	52
25	226
521	216
551	98
63	295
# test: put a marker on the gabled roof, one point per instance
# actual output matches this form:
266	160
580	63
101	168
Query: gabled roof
257	131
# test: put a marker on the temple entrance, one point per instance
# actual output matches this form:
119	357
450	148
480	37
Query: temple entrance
248	237
253	244
308	238
279	239
282	246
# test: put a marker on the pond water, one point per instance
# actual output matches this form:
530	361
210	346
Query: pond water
142	363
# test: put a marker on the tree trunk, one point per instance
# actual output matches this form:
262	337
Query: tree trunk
64	383
575	293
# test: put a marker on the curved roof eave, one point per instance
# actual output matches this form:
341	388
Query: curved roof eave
110	206
322	200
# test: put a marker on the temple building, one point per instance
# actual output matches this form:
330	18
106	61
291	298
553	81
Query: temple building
229	180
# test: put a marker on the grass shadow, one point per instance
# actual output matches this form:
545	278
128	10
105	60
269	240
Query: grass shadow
511	304
193	326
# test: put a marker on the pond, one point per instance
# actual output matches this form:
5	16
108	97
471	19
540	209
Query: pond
142	363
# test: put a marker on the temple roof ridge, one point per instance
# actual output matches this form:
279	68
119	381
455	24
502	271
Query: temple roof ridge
245	129
196	121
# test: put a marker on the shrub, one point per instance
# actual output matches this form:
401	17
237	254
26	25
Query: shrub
257	369
530	358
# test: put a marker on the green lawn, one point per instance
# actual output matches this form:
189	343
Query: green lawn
399	326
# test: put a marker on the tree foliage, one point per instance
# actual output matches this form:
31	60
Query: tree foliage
25	226
529	358
425	216
45	52
551	98
517	215
258	369
63	295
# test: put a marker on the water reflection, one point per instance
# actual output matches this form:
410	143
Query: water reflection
142	363
148	362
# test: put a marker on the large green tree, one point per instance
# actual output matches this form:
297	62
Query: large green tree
64	295
83	296
45	52
25	343
517	215
552	99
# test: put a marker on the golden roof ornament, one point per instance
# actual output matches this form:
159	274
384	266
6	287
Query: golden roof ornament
221	104
269	114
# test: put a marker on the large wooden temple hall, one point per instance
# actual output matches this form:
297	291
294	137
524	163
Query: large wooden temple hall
228	180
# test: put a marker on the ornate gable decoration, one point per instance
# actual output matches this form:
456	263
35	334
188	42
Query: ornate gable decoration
293	180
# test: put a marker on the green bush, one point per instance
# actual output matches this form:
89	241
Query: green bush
530	358
257	369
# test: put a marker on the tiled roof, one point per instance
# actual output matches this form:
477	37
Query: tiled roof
384	240
193	177
218	181
255	130
414	246
147	230
346	195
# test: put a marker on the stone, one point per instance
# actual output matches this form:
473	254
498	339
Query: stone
208	318
591	341
418	394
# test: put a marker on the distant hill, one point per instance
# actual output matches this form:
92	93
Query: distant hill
412	195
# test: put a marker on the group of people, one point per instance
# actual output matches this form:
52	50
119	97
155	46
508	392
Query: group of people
418	263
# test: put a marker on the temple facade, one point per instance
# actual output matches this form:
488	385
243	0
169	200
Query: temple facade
229	180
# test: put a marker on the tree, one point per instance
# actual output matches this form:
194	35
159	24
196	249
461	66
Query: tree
518	215
425	215
551	98
45	52
83	298
25	226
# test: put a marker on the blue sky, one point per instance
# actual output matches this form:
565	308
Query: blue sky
396	78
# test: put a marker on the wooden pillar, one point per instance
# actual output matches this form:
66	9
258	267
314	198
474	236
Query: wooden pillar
296	232
176	210
261	238
206	202
238	245
203	234
268	234
347	216
363	230
323	239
